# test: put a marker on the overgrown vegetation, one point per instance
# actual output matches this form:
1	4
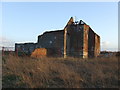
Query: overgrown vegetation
26	72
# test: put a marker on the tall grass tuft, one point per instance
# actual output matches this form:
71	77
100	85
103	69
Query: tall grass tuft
26	72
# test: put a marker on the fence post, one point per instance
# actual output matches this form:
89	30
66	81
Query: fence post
16	51
2	51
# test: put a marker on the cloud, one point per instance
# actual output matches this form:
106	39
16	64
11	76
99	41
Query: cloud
5	42
109	46
105	44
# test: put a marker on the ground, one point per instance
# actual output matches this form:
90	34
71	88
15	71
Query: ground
27	72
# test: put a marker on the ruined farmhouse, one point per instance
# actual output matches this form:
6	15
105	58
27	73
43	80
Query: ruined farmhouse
77	39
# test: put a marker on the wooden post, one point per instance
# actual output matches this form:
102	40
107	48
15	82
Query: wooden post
16	51
2	51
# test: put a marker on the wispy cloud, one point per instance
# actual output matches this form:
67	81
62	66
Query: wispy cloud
105	44
6	42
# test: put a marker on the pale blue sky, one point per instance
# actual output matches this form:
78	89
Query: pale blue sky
23	22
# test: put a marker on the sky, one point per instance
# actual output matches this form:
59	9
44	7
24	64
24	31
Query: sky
24	21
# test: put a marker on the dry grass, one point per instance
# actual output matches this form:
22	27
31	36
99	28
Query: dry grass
26	72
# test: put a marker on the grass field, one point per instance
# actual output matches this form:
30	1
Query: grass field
26	72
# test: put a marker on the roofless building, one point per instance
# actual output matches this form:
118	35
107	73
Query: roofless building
75	40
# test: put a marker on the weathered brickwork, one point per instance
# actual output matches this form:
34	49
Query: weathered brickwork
52	41
27	48
77	39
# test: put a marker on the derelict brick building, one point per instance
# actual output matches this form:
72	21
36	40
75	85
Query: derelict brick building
77	39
